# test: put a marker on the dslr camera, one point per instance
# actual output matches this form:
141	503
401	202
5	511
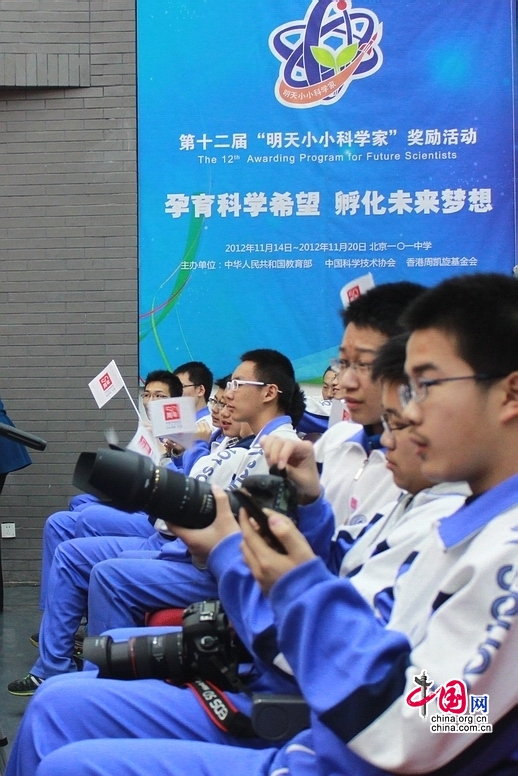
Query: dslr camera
133	483
206	648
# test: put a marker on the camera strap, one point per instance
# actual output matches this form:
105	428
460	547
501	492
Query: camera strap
221	710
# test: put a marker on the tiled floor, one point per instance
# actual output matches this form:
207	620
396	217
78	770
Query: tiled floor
20	618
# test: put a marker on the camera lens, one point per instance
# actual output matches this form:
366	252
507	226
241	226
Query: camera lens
140	657
182	500
133	483
124	477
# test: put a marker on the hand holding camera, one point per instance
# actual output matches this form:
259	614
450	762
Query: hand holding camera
201	541
132	482
296	459
266	563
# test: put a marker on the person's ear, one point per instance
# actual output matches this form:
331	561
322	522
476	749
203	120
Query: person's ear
271	391
510	403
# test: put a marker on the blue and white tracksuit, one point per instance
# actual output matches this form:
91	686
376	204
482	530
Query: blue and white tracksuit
453	615
87	516
74	560
354	475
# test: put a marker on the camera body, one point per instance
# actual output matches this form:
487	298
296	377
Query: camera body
205	648
133	483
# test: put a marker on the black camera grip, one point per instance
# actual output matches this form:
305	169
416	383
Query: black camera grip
246	501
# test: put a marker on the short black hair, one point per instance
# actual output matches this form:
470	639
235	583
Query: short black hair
480	312
328	369
221	382
381	307
168	378
199	374
389	364
273	367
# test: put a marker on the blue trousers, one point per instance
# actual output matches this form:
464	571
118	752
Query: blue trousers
67	595
160	758
80	707
124	589
86	519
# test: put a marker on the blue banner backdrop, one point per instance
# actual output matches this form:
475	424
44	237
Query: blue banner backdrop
287	148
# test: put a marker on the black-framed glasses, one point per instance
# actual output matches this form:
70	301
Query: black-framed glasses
342	364
190	385
417	388
389	429
150	396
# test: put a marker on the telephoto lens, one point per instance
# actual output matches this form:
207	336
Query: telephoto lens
205	648
141	657
132	482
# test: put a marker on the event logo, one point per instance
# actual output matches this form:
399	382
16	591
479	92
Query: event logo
322	54
144	445
105	381
171	412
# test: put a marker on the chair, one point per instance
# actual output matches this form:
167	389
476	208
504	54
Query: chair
164	617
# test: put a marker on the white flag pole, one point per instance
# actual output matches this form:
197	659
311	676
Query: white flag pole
133	404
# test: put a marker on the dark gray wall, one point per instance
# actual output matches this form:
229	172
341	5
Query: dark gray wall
68	269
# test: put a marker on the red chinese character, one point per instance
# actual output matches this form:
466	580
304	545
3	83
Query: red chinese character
453	697
171	412
354	293
144	445
416	698
105	381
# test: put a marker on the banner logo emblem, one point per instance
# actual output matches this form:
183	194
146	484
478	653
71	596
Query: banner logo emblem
323	53
172	412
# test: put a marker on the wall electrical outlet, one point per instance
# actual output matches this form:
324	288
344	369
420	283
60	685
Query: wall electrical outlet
8	530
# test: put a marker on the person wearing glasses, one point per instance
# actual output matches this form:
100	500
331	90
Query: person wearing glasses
351	669
329	384
208	436
317	413
354	476
86	516
196	379
263	393
393	533
272	400
453	625
456	603
227	432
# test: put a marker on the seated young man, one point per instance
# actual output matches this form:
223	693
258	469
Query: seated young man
329	384
372	563
354	475
209	437
262	391
88	517
197	380
116	599
107	521
454	610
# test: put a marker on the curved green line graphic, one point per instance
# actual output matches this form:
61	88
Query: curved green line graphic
191	248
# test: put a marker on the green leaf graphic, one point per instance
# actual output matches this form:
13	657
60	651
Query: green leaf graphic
323	56
346	55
